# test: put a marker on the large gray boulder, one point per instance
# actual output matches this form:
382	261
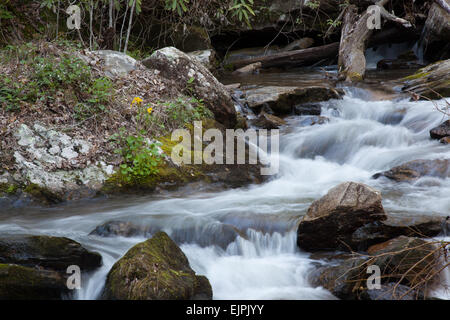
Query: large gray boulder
156	269
189	74
331	220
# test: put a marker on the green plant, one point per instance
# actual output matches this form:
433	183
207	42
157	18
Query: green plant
243	9
179	6
140	156
313	4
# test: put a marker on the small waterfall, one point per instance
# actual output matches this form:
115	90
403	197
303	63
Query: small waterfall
244	240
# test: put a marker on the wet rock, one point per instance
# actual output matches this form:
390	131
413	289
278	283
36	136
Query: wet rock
343	279
416	169
313	120
445	140
23	283
53	253
407	257
395	226
308	109
299	44
119	228
431	82
331	220
282	99
403	262
208	58
203	235
116	63
441	131
268	121
181	68
250	69
392	291
155	270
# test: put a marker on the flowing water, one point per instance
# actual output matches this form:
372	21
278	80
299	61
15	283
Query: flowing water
365	135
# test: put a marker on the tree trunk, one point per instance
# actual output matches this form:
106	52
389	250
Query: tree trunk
354	37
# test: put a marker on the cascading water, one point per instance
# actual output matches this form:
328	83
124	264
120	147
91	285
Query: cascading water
363	137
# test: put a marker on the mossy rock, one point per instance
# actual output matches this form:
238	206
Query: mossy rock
54	253
23	283
156	269
8	189
171	176
42	194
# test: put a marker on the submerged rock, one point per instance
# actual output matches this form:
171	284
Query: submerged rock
403	263
268	121
395	226
181	68
299	44
441	131
308	109
411	258
53	253
23	283
203	235
282	99
331	220
155	270
250	69
416	169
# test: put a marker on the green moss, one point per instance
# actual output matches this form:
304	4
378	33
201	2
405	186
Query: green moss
43	195
160	271
9	189
417	75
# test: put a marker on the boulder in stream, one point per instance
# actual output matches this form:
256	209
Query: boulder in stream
187	72
283	99
331	220
24	283
156	269
416	169
403	262
268	121
53	253
441	131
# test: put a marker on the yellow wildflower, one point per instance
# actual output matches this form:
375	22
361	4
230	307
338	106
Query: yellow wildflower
137	101
150	110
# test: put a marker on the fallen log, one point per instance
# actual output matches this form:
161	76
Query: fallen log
293	58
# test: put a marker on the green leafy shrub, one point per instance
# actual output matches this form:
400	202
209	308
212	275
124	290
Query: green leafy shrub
140	156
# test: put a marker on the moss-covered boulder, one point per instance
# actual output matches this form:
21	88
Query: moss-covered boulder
55	253
23	283
156	269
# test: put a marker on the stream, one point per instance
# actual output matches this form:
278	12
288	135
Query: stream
365	135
